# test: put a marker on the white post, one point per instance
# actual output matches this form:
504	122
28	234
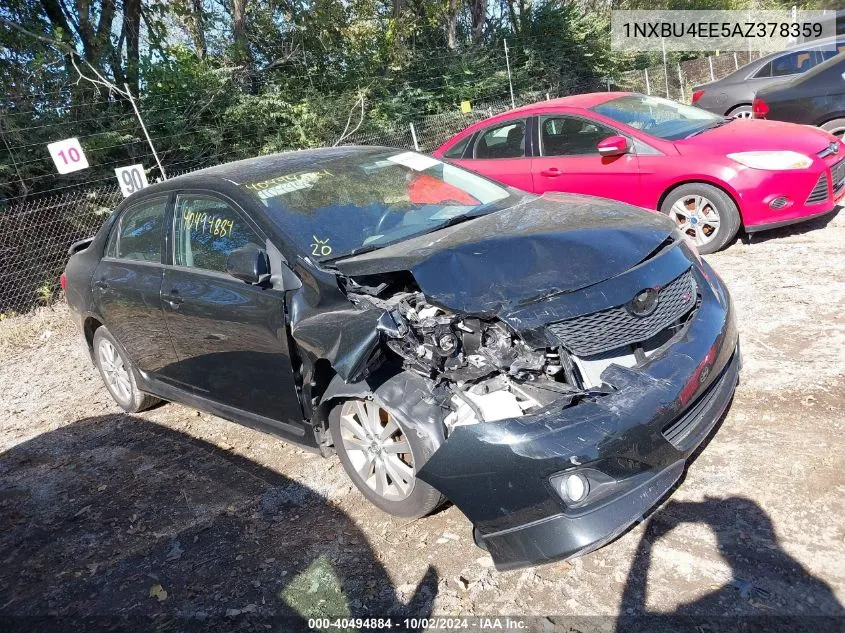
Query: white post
647	83
736	60
414	137
681	82
144	127
712	74
665	67
508	64
548	98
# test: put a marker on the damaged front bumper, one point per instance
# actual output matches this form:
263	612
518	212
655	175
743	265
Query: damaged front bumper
629	447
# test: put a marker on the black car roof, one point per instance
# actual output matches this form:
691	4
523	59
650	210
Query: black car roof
261	167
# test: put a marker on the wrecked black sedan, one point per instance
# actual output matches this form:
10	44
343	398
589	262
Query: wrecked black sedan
547	364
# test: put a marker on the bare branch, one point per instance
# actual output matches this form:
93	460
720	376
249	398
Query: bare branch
349	120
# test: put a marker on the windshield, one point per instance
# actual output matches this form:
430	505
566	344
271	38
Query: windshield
345	205
659	117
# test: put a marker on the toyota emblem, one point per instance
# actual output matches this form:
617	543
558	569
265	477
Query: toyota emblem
644	303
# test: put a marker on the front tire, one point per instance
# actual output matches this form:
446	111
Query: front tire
835	127
118	374
380	456
705	213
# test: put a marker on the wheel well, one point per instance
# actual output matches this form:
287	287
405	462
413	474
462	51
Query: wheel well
738	105
90	326
666	193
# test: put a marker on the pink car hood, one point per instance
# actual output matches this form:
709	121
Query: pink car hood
748	135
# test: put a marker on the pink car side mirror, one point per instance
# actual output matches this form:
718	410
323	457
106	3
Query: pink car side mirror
614	146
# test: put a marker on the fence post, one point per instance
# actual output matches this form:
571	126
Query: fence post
712	74
736	61
548	98
647	83
681	82
665	67
508	64
414	137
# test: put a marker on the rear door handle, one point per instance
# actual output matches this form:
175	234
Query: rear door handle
174	299
551	172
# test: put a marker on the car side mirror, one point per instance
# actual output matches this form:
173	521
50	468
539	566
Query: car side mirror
614	146
249	264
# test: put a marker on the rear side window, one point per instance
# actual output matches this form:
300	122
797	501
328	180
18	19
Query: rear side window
139	232
502	141
206	230
791	64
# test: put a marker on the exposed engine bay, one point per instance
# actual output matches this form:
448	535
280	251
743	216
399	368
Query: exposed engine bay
485	370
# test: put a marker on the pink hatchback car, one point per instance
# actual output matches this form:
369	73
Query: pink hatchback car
710	174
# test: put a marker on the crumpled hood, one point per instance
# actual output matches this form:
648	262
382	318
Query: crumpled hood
540	247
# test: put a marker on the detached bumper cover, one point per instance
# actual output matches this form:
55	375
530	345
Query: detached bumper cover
639	437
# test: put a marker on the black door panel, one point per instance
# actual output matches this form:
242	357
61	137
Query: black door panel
127	296
126	285
229	336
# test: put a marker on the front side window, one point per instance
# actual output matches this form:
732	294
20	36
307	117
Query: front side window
571	136
658	117
457	150
502	141
355	202
207	230
139	232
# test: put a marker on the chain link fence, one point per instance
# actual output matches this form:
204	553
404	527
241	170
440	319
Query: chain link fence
676	81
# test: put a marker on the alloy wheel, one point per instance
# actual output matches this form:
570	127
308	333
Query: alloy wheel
697	217
114	370
377	448
742	113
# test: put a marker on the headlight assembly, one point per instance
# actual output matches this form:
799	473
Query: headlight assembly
774	161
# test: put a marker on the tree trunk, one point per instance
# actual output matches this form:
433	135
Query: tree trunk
242	53
197	28
452	25
131	32
478	16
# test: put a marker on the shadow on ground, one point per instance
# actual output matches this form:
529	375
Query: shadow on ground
767	590
799	228
117	520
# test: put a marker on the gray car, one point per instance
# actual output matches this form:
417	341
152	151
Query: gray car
732	95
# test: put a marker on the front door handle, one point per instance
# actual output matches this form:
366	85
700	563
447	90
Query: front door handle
551	172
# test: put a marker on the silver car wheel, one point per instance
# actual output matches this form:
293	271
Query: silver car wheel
377	448
697	217
114	370
742	113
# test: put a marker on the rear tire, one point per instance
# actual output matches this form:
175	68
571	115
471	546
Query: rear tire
835	127
367	438
118	373
740	112
705	213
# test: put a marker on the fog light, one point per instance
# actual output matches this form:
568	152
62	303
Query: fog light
576	487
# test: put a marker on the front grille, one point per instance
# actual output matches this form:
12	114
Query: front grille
690	428
612	328
819	192
838	174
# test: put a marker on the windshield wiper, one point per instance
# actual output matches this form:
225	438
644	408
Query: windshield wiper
724	121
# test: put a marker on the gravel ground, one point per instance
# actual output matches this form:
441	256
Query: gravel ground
175	514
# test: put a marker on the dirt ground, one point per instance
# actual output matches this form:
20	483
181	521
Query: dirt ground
173	515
